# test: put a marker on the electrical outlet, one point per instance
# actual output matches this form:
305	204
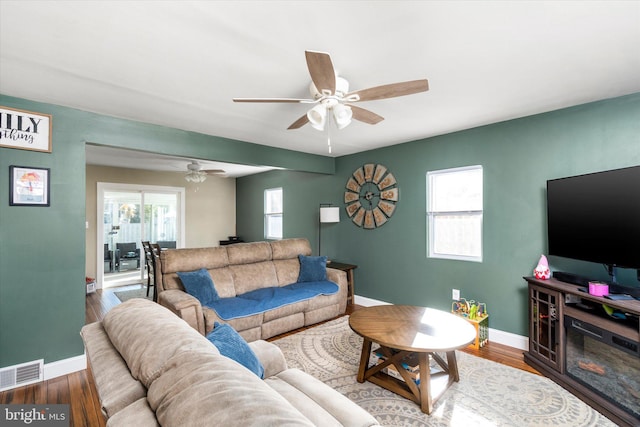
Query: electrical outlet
455	294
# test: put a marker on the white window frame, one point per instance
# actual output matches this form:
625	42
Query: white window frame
469	212
273	214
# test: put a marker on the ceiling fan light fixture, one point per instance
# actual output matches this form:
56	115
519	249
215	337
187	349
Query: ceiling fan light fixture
194	173
342	115
318	116
195	176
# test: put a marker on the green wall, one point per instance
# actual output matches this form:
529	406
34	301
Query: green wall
302	195
42	250
518	157
42	300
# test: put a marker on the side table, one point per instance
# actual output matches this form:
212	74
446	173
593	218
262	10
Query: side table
347	268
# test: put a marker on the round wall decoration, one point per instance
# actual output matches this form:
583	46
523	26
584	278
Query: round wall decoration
371	196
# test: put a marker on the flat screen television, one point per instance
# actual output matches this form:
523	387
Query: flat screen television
596	217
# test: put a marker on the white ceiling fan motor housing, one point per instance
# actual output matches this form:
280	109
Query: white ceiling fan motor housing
194	166
342	88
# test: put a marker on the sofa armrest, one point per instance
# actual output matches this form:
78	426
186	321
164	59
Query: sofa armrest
270	356
185	306
339	277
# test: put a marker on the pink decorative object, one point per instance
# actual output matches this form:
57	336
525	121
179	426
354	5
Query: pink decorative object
598	289
542	270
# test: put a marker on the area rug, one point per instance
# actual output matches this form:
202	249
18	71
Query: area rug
488	394
134	293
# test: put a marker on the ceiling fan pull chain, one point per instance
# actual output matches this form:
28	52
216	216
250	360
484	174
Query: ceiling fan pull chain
329	136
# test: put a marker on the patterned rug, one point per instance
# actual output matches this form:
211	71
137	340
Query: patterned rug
134	293
488	394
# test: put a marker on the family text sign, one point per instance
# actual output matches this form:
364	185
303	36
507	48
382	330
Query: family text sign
25	130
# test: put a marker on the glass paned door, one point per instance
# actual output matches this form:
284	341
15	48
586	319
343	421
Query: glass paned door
122	234
130	217
160	219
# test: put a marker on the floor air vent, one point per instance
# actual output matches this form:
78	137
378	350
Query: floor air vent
23	374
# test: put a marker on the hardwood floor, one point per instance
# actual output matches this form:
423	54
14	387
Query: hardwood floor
78	389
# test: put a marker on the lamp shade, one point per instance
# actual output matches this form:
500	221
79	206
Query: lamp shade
342	114
329	214
317	116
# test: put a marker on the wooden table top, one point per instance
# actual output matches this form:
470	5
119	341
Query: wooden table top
405	327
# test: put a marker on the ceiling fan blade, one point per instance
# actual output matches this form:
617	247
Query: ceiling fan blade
299	123
213	171
321	70
300	101
365	116
392	90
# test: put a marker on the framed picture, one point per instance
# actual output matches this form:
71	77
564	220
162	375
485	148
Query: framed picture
28	186
25	130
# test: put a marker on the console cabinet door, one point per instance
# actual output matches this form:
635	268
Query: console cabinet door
545	326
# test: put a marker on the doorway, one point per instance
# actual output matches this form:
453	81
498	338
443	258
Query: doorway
127	215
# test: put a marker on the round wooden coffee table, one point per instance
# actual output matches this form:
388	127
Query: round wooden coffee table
405	331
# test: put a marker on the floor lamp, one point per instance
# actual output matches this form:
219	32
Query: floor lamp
328	214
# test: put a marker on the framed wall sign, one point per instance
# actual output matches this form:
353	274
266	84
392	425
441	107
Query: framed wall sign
28	186
25	130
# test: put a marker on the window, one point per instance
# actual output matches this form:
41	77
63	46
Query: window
454	213
273	213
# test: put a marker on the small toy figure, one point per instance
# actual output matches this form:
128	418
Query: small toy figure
542	270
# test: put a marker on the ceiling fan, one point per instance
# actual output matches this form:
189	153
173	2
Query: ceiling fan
195	173
331	94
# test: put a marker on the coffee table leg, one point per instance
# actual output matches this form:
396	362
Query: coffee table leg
453	366
364	359
426	403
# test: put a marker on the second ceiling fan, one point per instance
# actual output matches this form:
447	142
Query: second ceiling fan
331	95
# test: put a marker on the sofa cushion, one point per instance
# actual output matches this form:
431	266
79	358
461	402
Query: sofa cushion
248	277
312	268
223	280
192	259
287	270
204	389
289	248
247	253
262	300
134	327
233	346
319	402
199	284
241	324
116	387
137	414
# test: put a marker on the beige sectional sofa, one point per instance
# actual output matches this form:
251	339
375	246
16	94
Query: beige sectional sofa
241	268
151	368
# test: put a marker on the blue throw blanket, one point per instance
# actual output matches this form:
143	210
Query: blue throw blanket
266	299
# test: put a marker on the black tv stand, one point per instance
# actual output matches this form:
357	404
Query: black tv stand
571	278
614	288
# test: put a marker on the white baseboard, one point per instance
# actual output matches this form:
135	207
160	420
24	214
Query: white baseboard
507	338
495	335
368	302
65	367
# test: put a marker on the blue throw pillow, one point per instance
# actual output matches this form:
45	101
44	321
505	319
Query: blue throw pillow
199	284
312	268
233	346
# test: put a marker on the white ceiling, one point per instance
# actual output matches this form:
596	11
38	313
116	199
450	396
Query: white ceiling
179	63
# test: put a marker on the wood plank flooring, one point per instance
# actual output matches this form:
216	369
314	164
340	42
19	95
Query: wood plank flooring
79	391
